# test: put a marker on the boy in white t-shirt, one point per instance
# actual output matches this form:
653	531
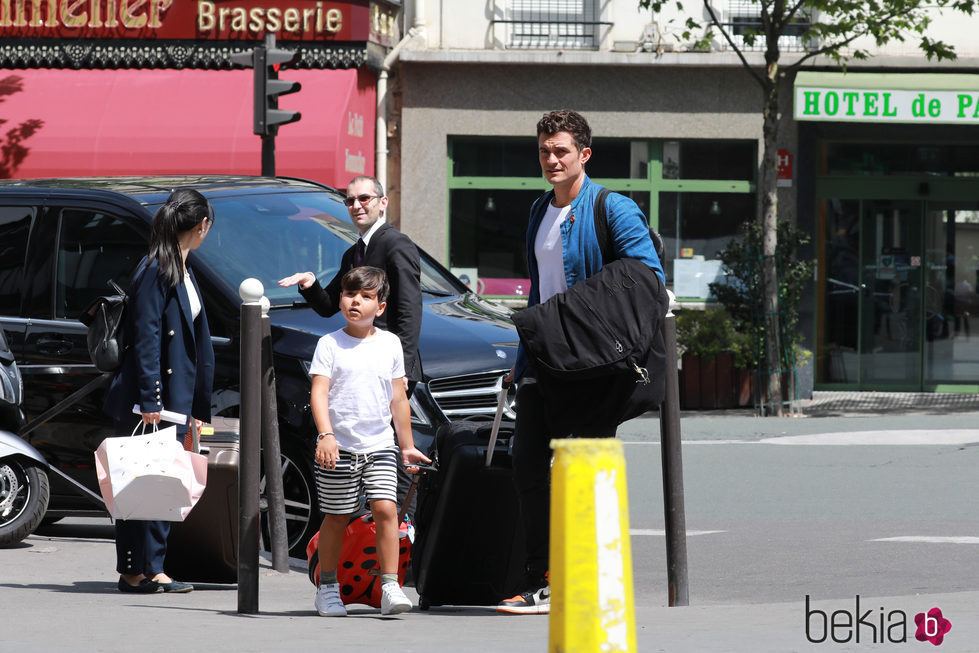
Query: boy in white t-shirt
357	390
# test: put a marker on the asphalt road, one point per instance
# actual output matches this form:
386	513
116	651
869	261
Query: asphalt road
776	509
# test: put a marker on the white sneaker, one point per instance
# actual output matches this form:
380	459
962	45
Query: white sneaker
328	602
533	601
393	599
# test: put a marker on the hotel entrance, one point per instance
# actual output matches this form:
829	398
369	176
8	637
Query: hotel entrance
897	298
895	174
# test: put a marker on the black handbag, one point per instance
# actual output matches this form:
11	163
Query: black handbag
104	318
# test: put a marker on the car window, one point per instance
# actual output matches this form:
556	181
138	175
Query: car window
269	237
15	225
93	248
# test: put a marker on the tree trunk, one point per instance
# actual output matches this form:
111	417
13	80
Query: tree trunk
769	190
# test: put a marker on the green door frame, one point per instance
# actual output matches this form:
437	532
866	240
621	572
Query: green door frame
653	183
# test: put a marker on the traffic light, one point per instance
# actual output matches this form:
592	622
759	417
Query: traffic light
268	88
266	59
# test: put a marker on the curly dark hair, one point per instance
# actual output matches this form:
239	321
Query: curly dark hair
566	120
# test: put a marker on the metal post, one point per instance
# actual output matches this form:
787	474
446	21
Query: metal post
268	155
249	467
271	451
268	140
669	422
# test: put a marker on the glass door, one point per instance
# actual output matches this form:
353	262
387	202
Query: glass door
891	293
951	354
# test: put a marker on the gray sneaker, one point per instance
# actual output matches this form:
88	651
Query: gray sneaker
328	602
393	599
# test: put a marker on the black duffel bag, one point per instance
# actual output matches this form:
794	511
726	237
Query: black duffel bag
597	349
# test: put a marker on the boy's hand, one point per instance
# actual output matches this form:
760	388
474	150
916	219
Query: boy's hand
412	455
327	452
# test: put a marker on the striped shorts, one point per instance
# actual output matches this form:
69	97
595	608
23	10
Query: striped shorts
375	474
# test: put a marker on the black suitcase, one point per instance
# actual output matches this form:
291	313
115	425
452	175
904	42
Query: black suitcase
469	548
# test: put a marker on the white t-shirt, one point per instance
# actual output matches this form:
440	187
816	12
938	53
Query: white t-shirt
192	297
360	372
549	250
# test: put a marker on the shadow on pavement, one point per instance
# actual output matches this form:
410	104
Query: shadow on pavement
77	587
841	404
78	531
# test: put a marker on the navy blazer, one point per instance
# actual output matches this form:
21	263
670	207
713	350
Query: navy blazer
397	255
169	360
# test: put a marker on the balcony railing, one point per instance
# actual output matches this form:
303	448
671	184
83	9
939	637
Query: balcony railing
552	24
792	40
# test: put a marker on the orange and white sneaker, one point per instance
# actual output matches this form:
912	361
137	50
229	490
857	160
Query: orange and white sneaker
534	601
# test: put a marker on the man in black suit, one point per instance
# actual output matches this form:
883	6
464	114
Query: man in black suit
382	246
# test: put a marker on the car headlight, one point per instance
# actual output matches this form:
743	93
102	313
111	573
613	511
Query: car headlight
418	414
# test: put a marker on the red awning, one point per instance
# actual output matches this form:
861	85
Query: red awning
135	122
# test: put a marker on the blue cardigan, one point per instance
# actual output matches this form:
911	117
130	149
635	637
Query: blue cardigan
169	361
628	229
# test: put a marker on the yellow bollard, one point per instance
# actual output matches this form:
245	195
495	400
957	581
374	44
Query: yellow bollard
592	608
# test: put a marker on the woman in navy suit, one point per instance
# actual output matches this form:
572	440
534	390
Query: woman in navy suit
169	364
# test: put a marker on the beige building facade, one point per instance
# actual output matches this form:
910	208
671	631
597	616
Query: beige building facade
886	202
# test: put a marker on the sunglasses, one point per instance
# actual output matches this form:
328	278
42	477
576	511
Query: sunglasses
363	199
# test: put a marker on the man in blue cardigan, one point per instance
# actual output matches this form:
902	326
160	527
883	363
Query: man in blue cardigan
562	249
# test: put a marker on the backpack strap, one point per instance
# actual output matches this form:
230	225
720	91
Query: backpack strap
602	230
601	226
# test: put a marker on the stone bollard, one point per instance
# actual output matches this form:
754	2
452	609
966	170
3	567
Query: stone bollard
592	606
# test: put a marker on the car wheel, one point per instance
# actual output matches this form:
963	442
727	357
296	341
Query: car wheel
24	494
299	490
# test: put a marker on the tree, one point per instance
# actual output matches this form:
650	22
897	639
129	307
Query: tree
834	29
12	149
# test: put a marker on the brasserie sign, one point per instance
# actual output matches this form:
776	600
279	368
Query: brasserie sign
892	98
307	20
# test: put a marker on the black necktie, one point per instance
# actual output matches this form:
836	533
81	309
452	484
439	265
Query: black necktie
359	250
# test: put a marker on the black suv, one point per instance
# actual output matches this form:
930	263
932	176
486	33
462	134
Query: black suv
62	240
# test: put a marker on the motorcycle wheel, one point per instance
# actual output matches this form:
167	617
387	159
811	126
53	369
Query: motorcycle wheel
24	494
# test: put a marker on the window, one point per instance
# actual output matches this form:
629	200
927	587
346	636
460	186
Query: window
745	20
93	248
15	225
696	193
270	236
933	159
553	24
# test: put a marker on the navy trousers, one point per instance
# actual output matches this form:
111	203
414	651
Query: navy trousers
141	546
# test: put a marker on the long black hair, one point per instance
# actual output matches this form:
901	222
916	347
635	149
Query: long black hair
184	210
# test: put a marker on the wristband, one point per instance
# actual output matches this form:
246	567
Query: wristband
323	435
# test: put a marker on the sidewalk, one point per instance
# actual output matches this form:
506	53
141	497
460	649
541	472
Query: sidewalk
59	596
58	592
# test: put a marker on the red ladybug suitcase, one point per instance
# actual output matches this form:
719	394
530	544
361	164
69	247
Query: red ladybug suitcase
358	572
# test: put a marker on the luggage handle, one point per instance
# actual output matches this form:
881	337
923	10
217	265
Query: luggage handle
500	405
422	469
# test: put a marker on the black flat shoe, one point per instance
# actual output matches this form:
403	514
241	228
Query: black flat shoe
176	588
146	586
